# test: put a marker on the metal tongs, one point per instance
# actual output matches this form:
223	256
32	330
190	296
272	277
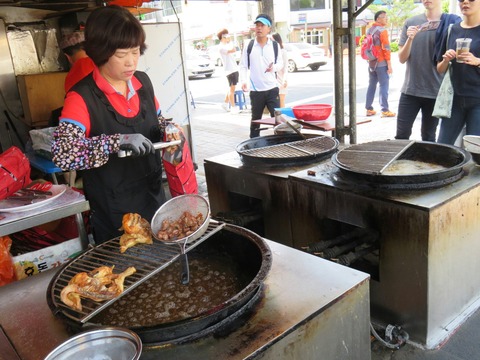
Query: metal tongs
27	194
292	126
157	146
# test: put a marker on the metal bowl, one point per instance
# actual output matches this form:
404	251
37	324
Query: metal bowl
472	145
173	210
284	129
104	343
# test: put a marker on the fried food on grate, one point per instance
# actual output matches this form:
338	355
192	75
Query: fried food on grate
186	225
100	284
137	231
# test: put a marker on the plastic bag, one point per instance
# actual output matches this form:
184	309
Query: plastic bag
7	270
42	140
173	154
178	163
14	171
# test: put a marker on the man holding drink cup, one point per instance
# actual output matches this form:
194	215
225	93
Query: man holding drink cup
463	54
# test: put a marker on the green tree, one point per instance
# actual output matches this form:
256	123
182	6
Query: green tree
445	6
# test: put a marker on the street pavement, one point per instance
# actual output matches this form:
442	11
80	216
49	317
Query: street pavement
217	132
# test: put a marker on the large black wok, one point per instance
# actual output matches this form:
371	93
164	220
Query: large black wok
286	150
249	252
450	157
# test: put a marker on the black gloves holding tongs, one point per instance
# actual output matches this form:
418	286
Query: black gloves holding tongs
139	145
135	145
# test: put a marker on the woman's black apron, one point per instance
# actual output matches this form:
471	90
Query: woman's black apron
122	185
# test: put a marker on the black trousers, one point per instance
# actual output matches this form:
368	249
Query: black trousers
260	99
408	108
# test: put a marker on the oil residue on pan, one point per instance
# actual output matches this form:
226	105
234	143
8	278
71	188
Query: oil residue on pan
408	167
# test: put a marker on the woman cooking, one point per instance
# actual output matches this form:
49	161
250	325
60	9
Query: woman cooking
112	109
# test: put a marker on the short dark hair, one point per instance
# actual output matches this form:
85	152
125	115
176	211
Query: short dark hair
221	33
111	28
378	13
72	50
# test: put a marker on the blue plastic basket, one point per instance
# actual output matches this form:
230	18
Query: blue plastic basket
286	111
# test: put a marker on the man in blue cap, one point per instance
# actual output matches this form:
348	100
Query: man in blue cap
261	58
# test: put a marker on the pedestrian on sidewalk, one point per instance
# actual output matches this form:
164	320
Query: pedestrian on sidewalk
422	80
226	50
379	70
465	75
282	73
260	62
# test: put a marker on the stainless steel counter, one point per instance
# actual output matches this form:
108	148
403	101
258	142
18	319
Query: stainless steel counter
71	202
310	307
426	278
428	260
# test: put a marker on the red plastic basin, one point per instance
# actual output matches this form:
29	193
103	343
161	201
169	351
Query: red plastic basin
312	112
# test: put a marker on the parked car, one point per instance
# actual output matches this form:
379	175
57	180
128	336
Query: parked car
214	53
303	55
199	66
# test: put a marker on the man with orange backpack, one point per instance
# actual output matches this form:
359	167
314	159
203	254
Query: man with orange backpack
380	69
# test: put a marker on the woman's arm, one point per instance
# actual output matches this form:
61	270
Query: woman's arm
72	147
73	151
449	55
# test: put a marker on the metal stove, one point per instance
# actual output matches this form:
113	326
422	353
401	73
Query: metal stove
424	264
298	316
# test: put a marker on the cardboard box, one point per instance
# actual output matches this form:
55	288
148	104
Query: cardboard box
40	95
35	262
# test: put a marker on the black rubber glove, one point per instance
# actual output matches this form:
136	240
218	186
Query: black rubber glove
138	144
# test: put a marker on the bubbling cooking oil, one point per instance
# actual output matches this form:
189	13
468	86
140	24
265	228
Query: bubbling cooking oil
164	299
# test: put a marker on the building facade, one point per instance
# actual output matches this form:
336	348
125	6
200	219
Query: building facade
296	20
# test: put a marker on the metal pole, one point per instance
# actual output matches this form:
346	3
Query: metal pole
338	70
305	38
352	72
338	32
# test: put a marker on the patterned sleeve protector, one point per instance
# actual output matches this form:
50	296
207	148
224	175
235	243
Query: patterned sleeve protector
73	151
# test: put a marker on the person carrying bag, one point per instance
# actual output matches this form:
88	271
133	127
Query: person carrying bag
444	103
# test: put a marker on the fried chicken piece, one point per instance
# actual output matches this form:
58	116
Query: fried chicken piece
99	284
120	279
71	298
129	240
134	224
137	231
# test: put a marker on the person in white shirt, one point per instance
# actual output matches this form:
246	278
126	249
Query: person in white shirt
282	74
227	49
263	63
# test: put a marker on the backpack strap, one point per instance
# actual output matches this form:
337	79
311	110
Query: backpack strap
250	46
275	50
249	50
378	29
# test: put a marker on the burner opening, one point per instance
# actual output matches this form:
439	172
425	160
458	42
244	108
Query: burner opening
348	245
244	211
